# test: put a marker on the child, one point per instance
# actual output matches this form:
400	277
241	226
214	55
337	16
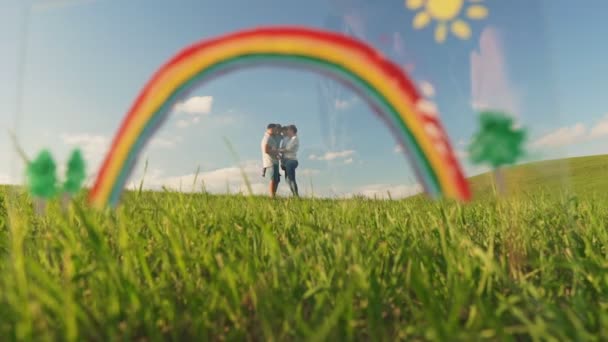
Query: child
283	138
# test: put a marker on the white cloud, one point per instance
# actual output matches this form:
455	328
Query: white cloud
332	155
427	89
381	191
183	123
570	135
215	181
490	86
600	129
228	179
341	104
219	181
308	172
196	105
562	136
348	161
227	118
85	139
93	147
165	142
344	104
426	106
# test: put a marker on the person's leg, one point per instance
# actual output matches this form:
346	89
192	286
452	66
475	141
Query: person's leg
290	174
295	184
288	178
285	168
273	184
277	178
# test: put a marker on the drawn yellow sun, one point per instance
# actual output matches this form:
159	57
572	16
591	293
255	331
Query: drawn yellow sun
446	13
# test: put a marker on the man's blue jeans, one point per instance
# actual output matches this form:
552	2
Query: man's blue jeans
290	175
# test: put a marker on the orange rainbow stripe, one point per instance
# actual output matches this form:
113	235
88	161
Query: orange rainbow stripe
379	81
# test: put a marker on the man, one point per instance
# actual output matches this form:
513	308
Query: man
290	155
270	162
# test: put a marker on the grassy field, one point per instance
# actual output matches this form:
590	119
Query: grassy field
168	266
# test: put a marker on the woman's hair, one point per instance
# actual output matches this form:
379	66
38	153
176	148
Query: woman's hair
293	127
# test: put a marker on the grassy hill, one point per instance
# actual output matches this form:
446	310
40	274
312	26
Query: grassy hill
580	175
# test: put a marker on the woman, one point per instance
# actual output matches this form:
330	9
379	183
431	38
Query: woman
290	151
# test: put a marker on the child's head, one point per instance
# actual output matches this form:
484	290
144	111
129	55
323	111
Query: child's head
291	130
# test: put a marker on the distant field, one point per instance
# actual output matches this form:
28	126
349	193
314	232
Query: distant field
204	267
581	175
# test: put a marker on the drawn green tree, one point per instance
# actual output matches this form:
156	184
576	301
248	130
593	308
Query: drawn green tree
42	178
497	143
75	173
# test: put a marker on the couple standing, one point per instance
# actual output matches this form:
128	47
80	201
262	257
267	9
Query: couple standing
279	150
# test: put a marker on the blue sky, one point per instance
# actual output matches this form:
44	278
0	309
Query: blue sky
87	60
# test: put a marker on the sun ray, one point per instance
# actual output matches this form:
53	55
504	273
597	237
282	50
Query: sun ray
477	12
441	32
461	29
414	4
421	20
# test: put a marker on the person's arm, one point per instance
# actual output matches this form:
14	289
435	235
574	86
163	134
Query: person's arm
286	146
268	149
292	145
296	144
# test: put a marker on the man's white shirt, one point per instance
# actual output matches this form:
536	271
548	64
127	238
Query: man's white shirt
291	146
267	159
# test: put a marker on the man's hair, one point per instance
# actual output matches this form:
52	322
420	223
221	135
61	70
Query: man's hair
293	127
271	126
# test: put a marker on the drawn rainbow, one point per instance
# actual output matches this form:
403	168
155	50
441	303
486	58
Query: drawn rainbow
381	83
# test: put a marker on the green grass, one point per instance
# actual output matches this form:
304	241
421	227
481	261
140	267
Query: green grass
169	266
583	175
